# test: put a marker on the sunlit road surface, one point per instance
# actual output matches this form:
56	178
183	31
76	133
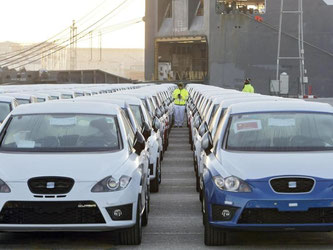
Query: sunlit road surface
175	220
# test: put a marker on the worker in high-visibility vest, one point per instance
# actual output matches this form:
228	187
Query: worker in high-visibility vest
248	88
180	96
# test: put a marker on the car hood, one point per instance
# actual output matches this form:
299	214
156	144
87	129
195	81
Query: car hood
79	166
251	166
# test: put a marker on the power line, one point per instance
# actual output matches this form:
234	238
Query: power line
22	59
291	36
116	28
63	47
20	52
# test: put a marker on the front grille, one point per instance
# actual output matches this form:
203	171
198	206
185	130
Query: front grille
50	185
274	216
292	185
71	212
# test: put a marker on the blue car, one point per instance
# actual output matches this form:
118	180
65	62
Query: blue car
269	168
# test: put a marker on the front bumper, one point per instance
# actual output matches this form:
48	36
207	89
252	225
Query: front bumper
23	211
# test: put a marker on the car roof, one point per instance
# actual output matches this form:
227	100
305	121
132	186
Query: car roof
120	102
280	106
4	98
20	95
60	107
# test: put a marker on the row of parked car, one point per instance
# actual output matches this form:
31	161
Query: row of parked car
85	157
262	163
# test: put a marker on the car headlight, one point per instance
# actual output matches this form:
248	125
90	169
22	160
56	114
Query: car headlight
110	184
4	188
232	184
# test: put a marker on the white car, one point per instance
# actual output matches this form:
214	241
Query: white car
93	180
154	142
7	104
150	129
23	98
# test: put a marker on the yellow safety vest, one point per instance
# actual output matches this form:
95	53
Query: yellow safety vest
248	88
184	96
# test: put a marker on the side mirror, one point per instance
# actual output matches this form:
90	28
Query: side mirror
163	110
146	130
203	129
156	124
197	122
139	143
207	143
158	113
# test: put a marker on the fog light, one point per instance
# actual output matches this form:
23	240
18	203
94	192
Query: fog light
226	213
117	213
223	212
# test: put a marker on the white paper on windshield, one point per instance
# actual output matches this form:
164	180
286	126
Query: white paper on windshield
276	122
20	136
25	144
245	126
68	121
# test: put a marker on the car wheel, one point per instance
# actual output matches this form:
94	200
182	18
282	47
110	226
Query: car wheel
197	182
154	184
133	235
213	236
159	167
161	155
145	214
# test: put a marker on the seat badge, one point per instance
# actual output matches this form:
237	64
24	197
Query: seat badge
50	185
292	184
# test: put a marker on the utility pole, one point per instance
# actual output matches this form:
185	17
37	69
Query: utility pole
73	46
100	45
302	78
91	45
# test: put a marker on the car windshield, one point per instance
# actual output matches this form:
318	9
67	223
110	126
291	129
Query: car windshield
22	101
41	99
54	98
67	96
280	132
4	110
61	133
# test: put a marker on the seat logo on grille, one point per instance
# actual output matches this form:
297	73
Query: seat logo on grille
292	184
50	185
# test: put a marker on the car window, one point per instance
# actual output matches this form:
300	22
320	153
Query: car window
4	110
61	133
22	101
41	100
67	96
136	109
129	130
285	131
150	119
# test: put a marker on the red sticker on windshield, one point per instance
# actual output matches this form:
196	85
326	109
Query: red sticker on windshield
247	126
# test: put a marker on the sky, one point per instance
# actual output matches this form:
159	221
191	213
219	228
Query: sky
329	1
33	21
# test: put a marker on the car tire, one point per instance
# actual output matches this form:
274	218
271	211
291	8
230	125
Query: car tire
133	235
155	183
213	236
161	155
197	182
145	215
159	171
